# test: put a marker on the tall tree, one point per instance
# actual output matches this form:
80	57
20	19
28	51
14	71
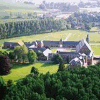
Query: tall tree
4	65
32	57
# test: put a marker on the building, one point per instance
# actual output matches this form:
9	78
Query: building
12	45
70	51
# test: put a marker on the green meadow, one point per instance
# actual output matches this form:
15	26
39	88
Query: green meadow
19	71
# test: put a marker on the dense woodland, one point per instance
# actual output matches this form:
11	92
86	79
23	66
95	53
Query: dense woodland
73	84
12	29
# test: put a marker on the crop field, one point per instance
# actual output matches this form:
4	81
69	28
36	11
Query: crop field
21	70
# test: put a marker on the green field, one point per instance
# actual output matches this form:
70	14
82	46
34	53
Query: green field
96	49
94	29
21	70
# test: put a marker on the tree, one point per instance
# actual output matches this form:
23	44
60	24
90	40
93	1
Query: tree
4	65
21	53
32	57
2	88
34	71
61	67
9	83
24	53
87	27
18	53
11	56
57	59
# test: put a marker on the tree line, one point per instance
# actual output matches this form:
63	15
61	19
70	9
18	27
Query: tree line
87	20
19	55
12	29
74	84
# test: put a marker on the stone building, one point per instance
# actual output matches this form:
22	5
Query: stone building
80	49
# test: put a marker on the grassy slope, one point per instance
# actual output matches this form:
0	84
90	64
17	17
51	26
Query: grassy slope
96	49
20	71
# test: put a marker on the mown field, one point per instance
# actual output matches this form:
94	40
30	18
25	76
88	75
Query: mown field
21	70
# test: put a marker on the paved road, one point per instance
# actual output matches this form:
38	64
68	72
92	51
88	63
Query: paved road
68	36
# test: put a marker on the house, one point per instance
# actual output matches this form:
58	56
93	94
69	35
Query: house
12	45
80	27
73	52
42	50
74	63
77	49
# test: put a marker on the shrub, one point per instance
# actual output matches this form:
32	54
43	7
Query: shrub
34	70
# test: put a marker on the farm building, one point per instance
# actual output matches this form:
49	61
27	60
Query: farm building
69	50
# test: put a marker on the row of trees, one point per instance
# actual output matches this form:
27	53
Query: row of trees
22	54
73	84
83	19
12	29
19	55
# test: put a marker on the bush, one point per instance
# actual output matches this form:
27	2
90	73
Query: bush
9	83
4	65
34	70
61	67
2	88
57	59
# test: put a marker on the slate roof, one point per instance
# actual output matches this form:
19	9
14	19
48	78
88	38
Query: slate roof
70	42
81	44
39	49
28	44
76	61
10	43
69	53
51	43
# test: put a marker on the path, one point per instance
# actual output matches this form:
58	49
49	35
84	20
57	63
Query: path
68	36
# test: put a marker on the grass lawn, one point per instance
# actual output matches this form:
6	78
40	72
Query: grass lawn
94	29
96	49
53	50
20	71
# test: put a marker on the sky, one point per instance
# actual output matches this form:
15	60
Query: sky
40	1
